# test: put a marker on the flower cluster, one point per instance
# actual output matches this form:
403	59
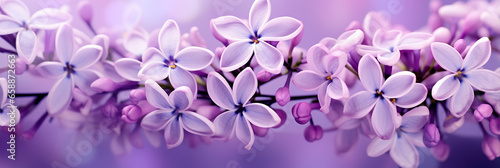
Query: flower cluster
384	82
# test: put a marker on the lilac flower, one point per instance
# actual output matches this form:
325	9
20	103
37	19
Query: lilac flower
382	96
173	115
73	69
387	44
241	113
18	19
169	62
403	142
465	73
5	107
254	38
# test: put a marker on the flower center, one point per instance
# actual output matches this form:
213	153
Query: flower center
69	69
393	100
378	93
256	41
460	74
329	78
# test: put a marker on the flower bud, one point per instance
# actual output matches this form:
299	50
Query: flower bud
491	146
495	125
313	133
137	95
85	11
110	109
460	45
301	112
131	113
283	96
264	76
20	66
282	116
104	85
441	151
442	34
259	131
483	111
431	135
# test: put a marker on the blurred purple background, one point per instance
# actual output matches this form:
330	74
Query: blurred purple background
283	147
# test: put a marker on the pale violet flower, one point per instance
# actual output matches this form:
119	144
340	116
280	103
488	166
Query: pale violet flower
402	144
18	19
464	74
72	69
252	39
6	107
241	113
173	114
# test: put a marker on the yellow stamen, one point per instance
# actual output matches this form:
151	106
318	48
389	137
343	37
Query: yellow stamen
449	117
378	92
256	41
172	66
329	78
393	100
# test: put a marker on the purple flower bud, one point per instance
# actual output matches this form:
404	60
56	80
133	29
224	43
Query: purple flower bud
283	96
282	116
460	45
491	146
471	22
210	112
431	135
495	125
20	66
313	133
104	85
442	34
85	11
301	112
131	113
441	151
264	76
110	109
483	111
137	95
259	131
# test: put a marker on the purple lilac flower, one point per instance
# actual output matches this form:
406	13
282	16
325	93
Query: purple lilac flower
463	75
172	63
240	112
383	95
172	114
72	69
403	142
253	38
18	19
6	107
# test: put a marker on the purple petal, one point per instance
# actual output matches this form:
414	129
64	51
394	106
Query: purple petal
181	98
379	146
416	138
451	124
232	28
335	63
135	42
60	96
404	153
478	54
398	84
244	86
415	41
337	89
415	119
386	39
236	55
128	68
244	132
349	39
414	97
315	57
279	29
156	96
384	118
102	41
9	25
86	56
64	43
49	18
445	88
261	115
157	119
194	58
197	124
308	80
219	91
373	22
460	103
389	58
152	54
224	124
154	70
259	14
323	98
180	77
169	38
345	140
51	69
83	79
269	57
367	49
359	104
174	134
446	56
370	73
26	45
328	42
15	9
484	80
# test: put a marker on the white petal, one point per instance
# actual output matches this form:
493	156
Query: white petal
156	96
194	58
232	28
244	86
281	28
181	98
415	41
484	80
8	25
415	119
60	95
478	54
16	9
259	14
64	43
236	55
49	18
261	115
337	89
135	42
169	38
398	84
404	153
308	80
83	79
197	124
174	134
446	56
389	58
152	55
414	97
379	146
244	132
157	120
86	56
224	124
26	45
154	70
360	104
370	73
384	118
460	103
128	68
269	57
219	91
315	56
51	69
445	88
180	77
